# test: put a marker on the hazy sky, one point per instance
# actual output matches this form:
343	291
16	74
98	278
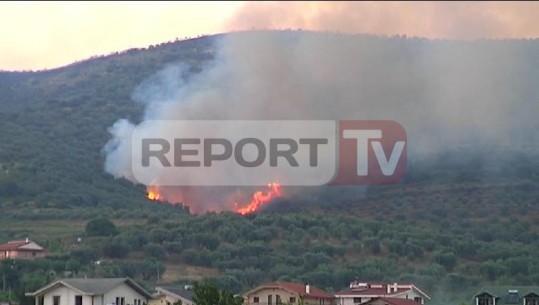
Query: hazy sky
46	35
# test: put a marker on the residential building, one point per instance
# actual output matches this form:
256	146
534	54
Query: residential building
170	295
362	292
390	301
276	293
94	291
21	249
502	295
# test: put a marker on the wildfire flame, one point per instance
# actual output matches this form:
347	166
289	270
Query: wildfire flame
153	194
260	199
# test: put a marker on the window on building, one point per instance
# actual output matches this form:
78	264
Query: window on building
292	300
485	300
56	300
531	301
357	300
78	300
278	299
418	300
120	301
256	300
270	299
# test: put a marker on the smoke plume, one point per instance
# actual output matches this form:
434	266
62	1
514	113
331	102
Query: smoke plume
445	94
429	19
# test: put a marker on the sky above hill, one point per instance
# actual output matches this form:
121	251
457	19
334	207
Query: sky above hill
46	35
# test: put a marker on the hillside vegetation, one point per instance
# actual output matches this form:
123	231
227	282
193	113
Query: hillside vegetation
455	223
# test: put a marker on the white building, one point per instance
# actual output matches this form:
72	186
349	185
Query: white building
359	293
99	291
171	295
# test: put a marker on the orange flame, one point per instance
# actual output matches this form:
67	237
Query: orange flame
153	194
260	199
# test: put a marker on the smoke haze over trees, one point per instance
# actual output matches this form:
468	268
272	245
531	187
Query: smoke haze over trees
464	215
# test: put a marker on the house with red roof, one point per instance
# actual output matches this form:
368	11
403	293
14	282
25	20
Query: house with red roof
21	249
276	293
363	292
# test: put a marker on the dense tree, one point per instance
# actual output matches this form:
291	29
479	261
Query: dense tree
155	251
446	259
100	227
207	294
114	249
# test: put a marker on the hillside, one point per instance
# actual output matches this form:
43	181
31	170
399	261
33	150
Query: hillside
463	216
54	126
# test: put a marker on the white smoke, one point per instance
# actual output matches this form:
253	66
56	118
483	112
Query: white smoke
443	93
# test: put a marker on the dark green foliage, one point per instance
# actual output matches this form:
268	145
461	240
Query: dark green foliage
85	256
114	249
205	294
373	244
101	227
155	251
446	259
208	294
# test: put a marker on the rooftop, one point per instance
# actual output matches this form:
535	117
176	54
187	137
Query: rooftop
298	288
19	245
91	286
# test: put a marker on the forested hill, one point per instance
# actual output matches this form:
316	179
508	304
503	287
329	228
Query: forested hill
54	125
461	217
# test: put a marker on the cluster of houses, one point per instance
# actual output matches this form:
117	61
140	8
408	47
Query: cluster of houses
125	291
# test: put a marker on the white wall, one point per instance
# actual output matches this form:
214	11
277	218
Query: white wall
350	300
122	290
67	297
87	300
411	295
98	300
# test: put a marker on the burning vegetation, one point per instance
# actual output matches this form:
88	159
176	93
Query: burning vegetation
153	194
258	199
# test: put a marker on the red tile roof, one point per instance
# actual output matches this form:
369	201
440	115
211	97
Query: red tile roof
13	245
301	289
20	245
396	301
